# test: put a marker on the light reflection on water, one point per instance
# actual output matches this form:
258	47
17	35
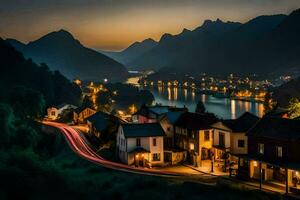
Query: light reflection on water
223	107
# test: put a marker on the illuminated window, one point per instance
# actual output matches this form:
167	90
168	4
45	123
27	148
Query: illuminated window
261	148
156	157
192	146
206	135
279	151
138	142
154	142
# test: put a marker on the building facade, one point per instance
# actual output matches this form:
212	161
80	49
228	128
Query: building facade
193	133
273	153
141	144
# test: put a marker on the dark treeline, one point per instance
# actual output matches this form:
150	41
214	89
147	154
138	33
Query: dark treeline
19	75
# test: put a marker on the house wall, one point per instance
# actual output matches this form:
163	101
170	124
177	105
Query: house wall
80	118
50	111
216	136
121	146
143	120
146	142
290	149
169	130
235	137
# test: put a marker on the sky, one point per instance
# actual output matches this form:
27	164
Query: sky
115	24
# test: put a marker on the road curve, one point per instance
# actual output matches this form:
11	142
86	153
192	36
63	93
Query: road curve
81	148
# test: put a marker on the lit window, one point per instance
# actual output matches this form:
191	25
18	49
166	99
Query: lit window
156	157
154	142
241	143
279	151
192	146
261	148
138	142
206	135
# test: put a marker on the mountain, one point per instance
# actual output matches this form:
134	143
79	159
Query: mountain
21	74
261	45
63	52
132	52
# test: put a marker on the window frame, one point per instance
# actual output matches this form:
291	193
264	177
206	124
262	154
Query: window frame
156	157
138	142
261	151
154	142
206	133
243	142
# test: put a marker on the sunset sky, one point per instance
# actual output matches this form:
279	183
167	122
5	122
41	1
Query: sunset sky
114	24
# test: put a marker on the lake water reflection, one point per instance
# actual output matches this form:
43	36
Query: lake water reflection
223	107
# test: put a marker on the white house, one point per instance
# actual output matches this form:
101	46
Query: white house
54	112
230	136
141	144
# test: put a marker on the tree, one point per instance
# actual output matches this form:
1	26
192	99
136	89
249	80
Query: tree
294	108
6	124
200	108
268	103
27	103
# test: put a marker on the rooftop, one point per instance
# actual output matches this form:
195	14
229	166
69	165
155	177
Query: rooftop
100	120
173	116
276	128
143	130
197	121
243	123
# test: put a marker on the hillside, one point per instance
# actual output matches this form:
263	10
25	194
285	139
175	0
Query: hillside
132	52
20	74
63	52
283	94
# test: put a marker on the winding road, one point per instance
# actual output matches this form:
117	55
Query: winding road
81	148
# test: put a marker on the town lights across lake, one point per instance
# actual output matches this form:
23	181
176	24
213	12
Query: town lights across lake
225	108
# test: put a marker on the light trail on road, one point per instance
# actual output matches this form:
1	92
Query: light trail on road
81	148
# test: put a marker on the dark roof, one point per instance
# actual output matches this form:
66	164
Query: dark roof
152	111
243	123
276	128
100	120
198	121
143	130
278	112
173	116
60	106
139	150
81	108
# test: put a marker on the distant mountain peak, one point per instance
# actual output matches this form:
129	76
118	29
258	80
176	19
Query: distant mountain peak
165	37
61	36
185	31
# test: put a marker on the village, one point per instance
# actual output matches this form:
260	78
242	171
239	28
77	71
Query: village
259	151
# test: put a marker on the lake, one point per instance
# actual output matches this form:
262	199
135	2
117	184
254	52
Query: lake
225	108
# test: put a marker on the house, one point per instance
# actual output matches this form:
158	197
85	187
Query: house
273	153
82	113
167	121
172	155
54	112
230	136
193	133
151	114
101	123
141	144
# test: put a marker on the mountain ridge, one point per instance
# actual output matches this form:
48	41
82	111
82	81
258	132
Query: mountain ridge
61	51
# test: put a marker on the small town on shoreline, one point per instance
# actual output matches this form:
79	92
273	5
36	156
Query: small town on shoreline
169	99
257	151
